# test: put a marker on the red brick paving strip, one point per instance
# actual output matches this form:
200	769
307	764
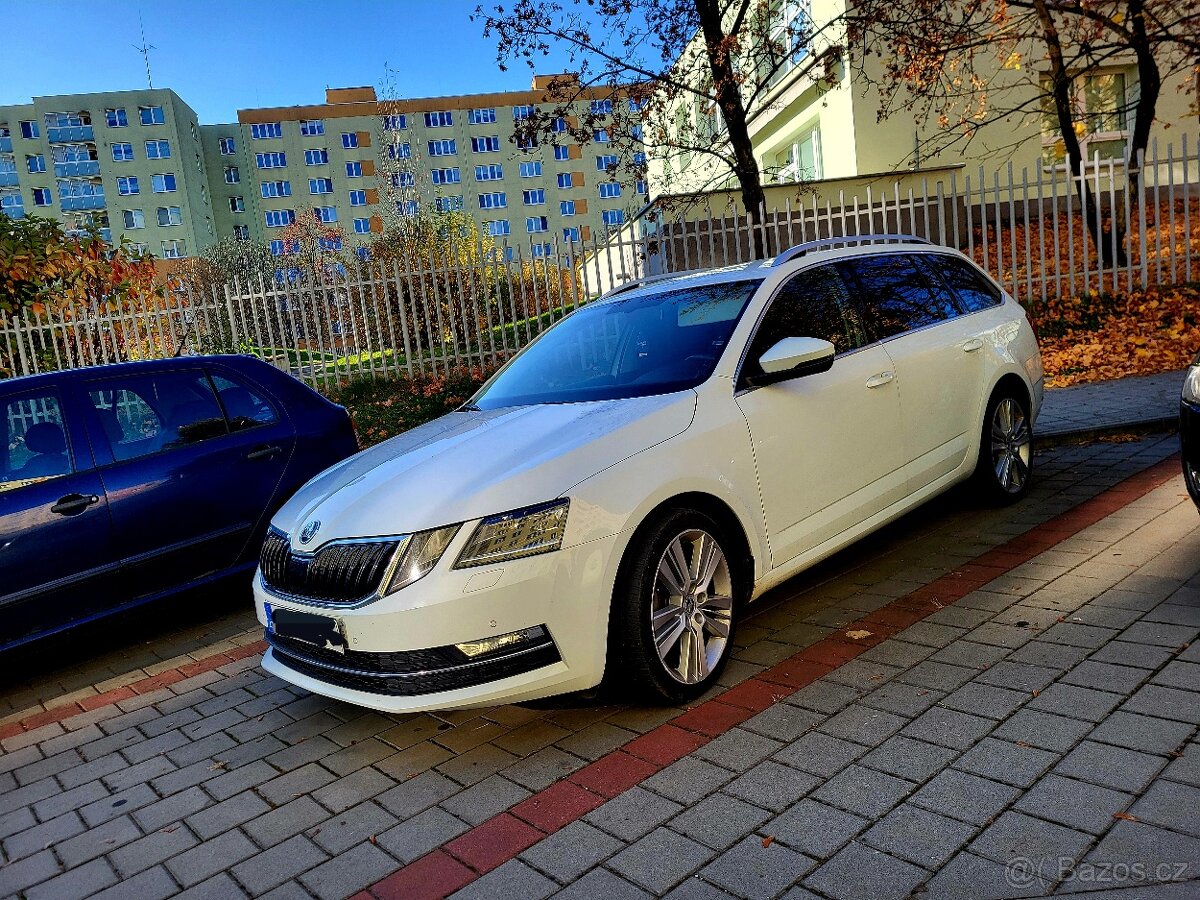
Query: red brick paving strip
506	835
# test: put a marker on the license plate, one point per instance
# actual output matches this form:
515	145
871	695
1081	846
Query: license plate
319	631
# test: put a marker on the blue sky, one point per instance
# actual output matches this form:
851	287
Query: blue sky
221	55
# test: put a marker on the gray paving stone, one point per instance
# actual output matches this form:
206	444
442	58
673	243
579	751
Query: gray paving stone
968	876
688	780
480	802
979	699
1076	702
171	809
348	872
1018	676
632	814
1045	730
75	883
1114	767
355	825
227	814
970	655
1007	762
1051	656
284	821
931	634
783	722
719	821
903	699
97	841
44	768
66	801
18	876
1076	804
1174	806
242	779
1123	653
1015	834
602	883
1140	844
738	749
948	727
1160	634
964	796
39	837
423	832
862	675
1151	735
820	754
143	750
512	879
209	858
1186	769
918	836
757	872
279	864
152	884
543	768
859	872
571	851
772	786
863	725
294	784
477	764
1179	674
1169	703
824	696
219	887
17	820
906	758
695	888
151	850
863	791
118	804
1106	676
1074	634
417	794
658	861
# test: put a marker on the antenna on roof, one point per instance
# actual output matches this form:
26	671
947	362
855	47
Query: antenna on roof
145	49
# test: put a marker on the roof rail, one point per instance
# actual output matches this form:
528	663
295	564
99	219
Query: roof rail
639	282
846	240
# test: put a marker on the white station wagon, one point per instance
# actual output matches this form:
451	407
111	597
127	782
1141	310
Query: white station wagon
608	503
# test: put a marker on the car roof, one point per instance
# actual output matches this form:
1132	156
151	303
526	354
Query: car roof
23	382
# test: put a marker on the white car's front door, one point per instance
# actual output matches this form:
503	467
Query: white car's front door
828	447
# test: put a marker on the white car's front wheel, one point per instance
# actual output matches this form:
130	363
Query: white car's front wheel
673	613
1005	468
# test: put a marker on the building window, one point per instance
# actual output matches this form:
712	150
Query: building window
498	227
395	122
116	118
536	224
613	217
448	204
232	175
36	163
639	158
537	251
122	152
562	153
280	218
320	185
496	200
407	207
601	107
566	207
489	173
266	130
489	144
228	146
349	139
276	247
134	218
163	183
403	179
606	162
531	169
527	142
400	151
362	226
172	249
43	197
29	130
325	213
274	160
1103	101
241	232
610	189
571	235
524	112
636	132
559	125
354	170
276	189
312	127
481	116
169	215
152	115
443	148
358	198
158	149
127	185
316	157
445	176
237	204
600	136
439	119
533	198
564	180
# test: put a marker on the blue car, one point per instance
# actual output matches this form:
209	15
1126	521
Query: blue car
125	483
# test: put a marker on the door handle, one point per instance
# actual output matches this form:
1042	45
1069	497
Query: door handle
264	452
972	345
73	504
881	379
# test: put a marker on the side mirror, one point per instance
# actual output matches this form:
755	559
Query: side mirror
794	357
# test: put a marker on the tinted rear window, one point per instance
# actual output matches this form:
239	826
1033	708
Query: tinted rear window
897	294
975	292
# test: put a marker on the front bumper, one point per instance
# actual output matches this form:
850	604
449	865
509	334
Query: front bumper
400	655
1189	445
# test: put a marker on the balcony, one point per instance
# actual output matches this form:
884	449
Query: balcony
81	167
7	179
94	201
5	144
69	134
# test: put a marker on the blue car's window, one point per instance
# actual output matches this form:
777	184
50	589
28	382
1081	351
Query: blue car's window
144	414
625	347
244	407
35	441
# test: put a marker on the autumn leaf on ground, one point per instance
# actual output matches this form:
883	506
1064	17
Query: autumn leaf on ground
768	841
1125	817
858	635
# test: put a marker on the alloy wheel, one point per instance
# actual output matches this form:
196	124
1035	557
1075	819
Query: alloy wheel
1012	445
692	607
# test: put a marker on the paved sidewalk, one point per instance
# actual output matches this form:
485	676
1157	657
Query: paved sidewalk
1144	401
1014	722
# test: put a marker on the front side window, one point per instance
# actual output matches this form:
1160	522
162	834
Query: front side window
625	347
127	184
35	442
897	294
349	139
266	130
815	303
146	414
169	215
974	290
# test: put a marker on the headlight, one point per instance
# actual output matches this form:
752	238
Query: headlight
1191	385
419	555
516	534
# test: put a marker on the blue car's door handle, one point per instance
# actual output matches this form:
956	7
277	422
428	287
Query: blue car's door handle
264	452
73	504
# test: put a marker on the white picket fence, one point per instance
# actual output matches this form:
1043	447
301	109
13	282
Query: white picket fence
476	306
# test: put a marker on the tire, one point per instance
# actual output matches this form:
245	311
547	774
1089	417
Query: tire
1004	470
655	604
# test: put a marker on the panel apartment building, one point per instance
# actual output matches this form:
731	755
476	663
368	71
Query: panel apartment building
139	165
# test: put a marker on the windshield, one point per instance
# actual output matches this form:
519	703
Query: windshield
625	347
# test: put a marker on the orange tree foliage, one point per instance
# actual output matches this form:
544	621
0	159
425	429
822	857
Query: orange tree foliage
1098	337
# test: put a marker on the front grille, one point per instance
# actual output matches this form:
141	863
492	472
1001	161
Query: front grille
338	572
405	673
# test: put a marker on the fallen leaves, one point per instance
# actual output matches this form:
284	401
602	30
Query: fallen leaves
858	634
768	841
